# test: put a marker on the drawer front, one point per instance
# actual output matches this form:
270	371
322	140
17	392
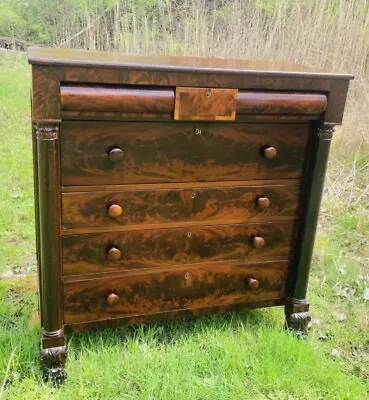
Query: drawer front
107	252
146	207
133	152
201	286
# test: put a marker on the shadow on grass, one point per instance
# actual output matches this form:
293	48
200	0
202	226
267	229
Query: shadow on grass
173	331
20	333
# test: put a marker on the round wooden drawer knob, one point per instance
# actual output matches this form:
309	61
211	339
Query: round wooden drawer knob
253	284
114	254
112	299
115	211
116	154
263	203
270	153
258	242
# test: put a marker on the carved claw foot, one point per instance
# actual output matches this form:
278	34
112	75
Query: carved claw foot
53	361
297	316
56	376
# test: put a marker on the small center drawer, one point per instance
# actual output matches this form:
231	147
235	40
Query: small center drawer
115	251
94	153
183	288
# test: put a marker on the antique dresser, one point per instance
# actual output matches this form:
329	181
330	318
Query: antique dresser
171	187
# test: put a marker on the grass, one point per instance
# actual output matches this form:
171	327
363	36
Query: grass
233	356
16	188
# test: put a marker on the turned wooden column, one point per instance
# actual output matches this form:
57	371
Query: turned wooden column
53	347
297	307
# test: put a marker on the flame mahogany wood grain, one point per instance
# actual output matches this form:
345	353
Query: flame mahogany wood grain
173	152
280	103
168	315
122	116
144	248
187	103
173	289
109	99
199	104
180	185
154	206
52	66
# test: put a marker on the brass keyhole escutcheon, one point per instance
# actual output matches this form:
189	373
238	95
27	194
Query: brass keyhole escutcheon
198	131
193	195
186	275
189	234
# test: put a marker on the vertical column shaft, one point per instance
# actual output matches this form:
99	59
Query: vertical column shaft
312	195
49	228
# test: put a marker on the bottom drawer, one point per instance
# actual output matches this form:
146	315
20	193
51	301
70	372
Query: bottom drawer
184	287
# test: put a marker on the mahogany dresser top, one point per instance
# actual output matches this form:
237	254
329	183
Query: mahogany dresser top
74	57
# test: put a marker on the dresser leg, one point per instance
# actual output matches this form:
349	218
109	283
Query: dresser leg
297	316
53	359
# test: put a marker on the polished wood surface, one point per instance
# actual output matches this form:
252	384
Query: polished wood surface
48	198
114	210
187	313
253	283
205	104
270	152
184	103
115	154
75	57
114	251
173	289
160	206
112	299
143	217
175	152
257	102
116	99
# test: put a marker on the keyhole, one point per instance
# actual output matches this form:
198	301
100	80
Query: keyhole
208	94
198	131
189	234
193	195
186	275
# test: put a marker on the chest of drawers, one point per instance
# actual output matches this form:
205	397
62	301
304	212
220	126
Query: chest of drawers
171	187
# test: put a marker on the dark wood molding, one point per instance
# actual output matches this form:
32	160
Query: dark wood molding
53	348
297	315
46	137
53	361
312	191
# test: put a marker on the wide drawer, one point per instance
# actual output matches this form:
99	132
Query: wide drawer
203	285
118	208
149	152
107	252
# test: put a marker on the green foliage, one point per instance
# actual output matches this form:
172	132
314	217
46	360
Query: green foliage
16	188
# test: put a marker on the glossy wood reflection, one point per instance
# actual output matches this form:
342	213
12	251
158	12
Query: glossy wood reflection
182	288
143	249
174	152
146	207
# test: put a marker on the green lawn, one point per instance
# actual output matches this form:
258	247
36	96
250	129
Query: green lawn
232	356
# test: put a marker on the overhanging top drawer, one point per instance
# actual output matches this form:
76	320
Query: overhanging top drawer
153	102
117	99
